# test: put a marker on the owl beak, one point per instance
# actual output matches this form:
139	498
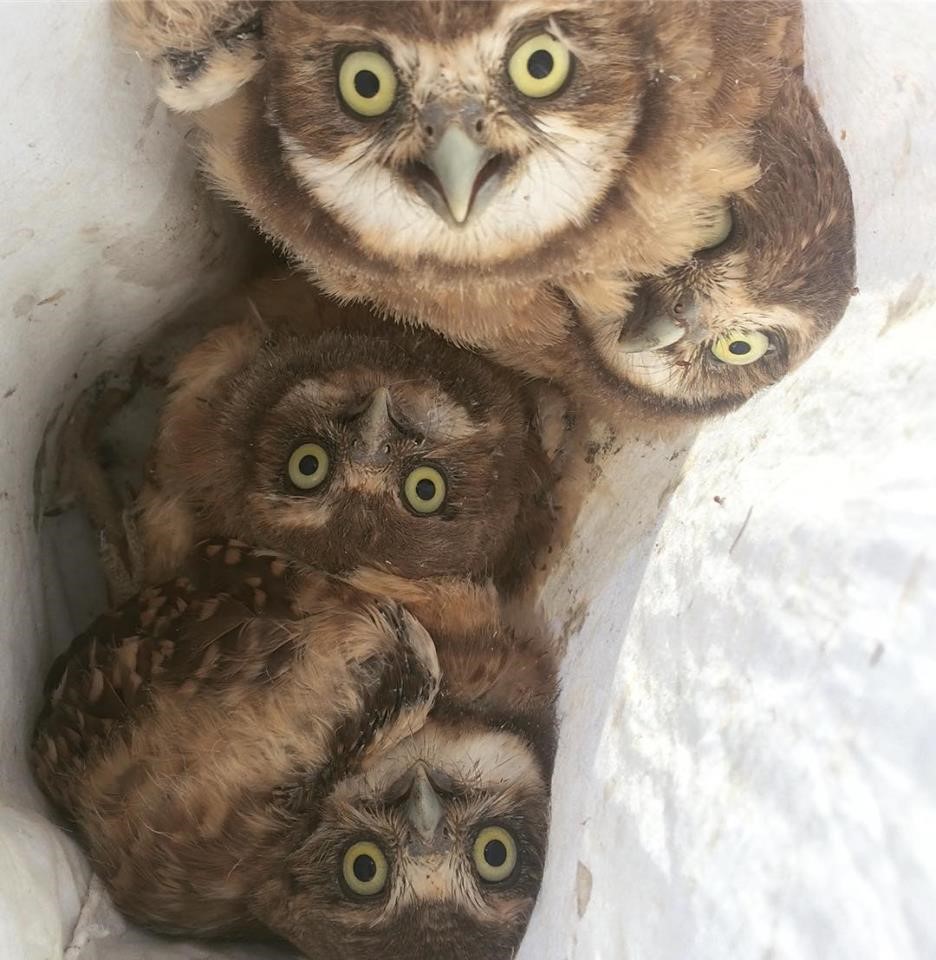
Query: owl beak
664	328
423	807
375	425
458	162
662	331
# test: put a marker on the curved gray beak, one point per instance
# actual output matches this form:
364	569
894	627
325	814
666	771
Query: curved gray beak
662	331
375	427
456	161
423	807
664	327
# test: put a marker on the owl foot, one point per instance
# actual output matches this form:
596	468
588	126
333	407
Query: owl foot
205	50
123	564
555	419
84	478
408	684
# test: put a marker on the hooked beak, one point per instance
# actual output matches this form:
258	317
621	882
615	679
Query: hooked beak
663	329
423	807
457	162
370	445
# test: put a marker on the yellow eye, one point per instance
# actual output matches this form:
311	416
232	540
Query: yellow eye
739	348
540	66
424	489
308	466
364	869
367	83
495	854
718	230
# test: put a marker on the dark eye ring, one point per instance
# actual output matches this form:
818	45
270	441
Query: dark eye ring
364	869
308	466
425	490
495	854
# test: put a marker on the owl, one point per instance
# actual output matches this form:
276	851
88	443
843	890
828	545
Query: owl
366	444
772	280
257	748
503	172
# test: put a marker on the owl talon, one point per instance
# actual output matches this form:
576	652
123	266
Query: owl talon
410	681
206	51
85	478
185	65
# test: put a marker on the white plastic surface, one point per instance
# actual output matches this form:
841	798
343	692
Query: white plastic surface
748	759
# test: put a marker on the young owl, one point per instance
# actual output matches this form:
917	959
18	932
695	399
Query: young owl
488	169
258	748
362	445
772	281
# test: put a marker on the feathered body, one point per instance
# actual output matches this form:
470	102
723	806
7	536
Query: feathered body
451	191
255	747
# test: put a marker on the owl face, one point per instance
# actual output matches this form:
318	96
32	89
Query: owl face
774	277
383	791
393	451
435	850
462	132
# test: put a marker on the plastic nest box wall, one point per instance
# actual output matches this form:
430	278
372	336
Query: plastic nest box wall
748	756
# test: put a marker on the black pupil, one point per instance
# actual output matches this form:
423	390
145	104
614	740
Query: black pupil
364	868
739	348
308	465
540	64
425	489
366	83
495	853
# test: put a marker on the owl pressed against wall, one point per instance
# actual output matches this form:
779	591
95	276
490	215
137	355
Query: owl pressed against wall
508	173
382	791
770	284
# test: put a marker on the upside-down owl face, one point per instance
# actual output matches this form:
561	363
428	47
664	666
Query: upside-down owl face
382	792
436	850
775	276
398	453
462	131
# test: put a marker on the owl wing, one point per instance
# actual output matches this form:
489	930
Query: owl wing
756	47
230	622
220	623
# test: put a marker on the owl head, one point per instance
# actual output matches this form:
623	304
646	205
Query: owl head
434	851
388	449
484	129
446	134
774	276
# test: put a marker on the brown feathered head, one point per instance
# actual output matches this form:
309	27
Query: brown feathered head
390	449
773	279
523	137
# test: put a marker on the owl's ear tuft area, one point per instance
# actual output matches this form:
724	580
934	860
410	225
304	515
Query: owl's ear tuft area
205	49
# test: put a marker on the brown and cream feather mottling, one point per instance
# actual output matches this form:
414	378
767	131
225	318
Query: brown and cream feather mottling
620	174
383	403
223	740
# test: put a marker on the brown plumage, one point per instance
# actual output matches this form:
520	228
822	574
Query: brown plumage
421	459
738	315
452	191
256	747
